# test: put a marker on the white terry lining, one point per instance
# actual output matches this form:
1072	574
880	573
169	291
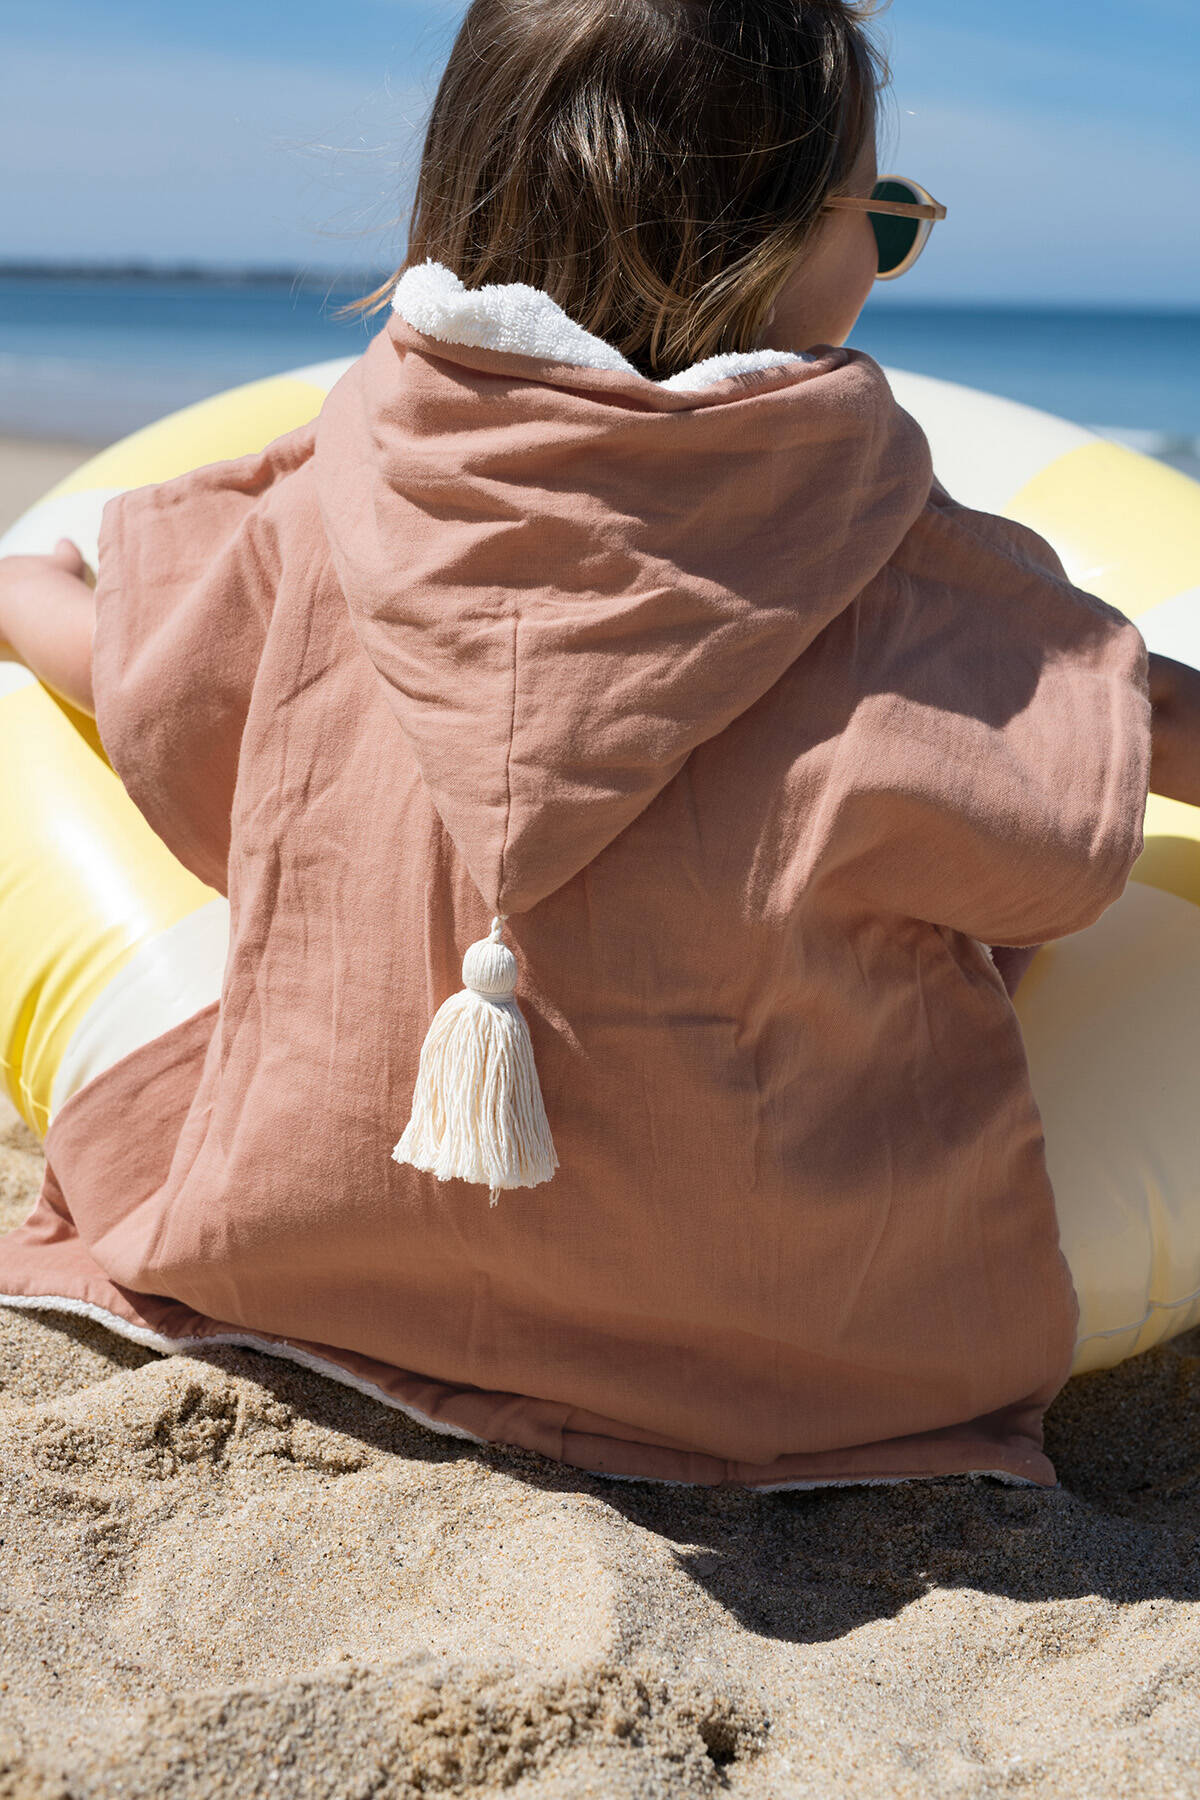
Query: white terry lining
285	1352
525	321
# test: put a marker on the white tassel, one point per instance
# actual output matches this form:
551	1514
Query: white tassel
477	1111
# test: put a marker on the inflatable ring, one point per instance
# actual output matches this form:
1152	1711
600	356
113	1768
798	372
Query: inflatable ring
106	941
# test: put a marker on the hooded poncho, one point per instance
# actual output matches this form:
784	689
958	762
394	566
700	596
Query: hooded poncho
758	739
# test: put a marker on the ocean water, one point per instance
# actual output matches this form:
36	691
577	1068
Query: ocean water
91	359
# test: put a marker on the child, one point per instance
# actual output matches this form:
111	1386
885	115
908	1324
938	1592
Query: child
605	599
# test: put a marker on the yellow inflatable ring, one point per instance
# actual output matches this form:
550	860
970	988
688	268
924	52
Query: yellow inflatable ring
105	941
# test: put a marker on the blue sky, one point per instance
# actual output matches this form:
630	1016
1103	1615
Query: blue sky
1062	135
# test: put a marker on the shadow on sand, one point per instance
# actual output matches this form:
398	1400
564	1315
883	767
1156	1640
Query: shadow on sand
809	1566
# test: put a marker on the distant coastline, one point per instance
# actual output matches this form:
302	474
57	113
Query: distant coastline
194	274
281	275
92	350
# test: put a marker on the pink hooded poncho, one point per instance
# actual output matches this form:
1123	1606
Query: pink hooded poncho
758	739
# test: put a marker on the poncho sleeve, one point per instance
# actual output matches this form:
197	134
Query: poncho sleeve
992	775
184	590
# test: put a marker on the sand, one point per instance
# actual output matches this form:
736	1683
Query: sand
28	466
221	1575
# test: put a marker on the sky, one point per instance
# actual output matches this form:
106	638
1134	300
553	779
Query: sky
1063	136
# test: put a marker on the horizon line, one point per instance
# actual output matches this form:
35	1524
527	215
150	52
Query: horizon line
146	269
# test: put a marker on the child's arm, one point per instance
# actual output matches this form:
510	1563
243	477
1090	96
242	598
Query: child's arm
1175	730
47	616
1174	767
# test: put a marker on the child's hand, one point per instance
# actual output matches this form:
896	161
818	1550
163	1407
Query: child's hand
65	559
47	615
26	581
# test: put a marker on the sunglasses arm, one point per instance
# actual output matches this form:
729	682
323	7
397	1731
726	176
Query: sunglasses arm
895	209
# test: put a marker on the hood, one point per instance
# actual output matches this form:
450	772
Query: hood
568	576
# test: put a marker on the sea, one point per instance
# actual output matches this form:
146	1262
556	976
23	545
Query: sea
89	357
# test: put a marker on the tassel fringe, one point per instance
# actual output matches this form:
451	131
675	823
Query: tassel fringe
477	1111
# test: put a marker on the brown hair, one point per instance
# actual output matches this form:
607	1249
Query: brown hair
654	165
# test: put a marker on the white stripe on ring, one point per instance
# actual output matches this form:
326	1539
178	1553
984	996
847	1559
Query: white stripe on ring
14	675
1172	628
168	978
985	449
75	516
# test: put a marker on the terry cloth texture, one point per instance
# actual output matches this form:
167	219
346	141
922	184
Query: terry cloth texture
759	739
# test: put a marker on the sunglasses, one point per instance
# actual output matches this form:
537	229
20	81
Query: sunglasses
902	217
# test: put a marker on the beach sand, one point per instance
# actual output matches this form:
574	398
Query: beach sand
28	467
223	1576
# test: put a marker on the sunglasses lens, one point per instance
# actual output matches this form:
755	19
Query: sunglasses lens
894	238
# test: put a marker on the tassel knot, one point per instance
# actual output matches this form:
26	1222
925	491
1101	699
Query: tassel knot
477	1111
490	968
